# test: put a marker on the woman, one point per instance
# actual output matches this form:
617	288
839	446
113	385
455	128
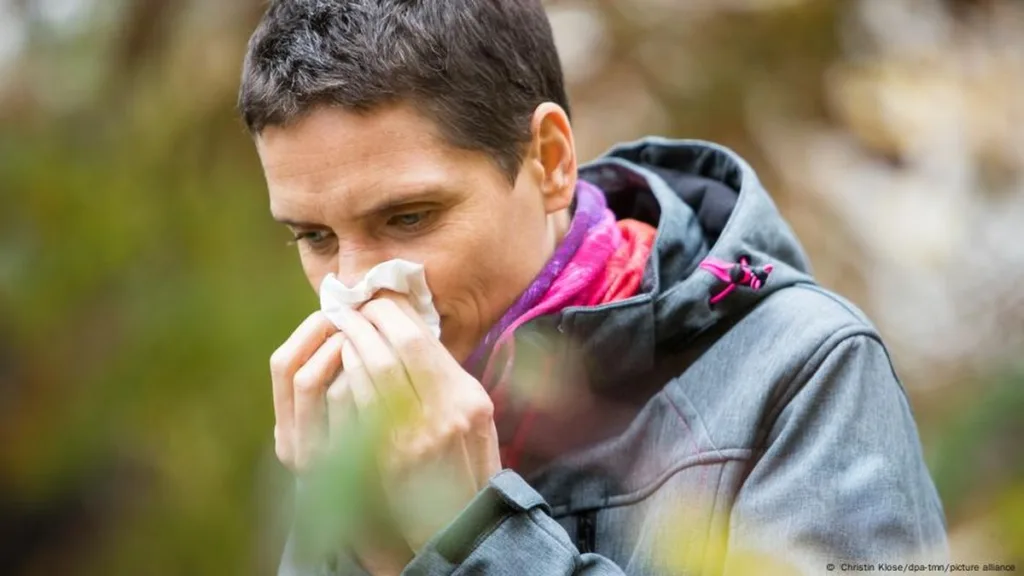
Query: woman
635	368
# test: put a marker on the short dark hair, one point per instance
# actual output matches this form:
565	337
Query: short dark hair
478	68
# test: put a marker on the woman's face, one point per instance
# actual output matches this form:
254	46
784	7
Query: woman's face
359	189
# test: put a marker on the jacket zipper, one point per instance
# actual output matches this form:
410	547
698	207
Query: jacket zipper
586	531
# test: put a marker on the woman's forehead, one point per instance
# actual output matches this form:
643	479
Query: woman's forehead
387	144
353	165
329	135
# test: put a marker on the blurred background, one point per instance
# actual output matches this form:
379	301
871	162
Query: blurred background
143	284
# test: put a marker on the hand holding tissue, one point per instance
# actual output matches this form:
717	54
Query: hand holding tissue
447	437
400	276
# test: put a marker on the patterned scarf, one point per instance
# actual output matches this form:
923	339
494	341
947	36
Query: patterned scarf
599	261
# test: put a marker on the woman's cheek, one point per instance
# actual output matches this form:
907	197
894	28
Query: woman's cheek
315	271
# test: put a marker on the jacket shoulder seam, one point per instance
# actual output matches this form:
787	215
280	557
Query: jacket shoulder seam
813	364
855	315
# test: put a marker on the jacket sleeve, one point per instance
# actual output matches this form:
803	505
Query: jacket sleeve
507	531
841	477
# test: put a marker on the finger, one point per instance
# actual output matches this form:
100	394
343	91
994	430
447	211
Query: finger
416	347
310	384
384	368
284	362
406	306
364	394
359	383
483	446
474	468
340	405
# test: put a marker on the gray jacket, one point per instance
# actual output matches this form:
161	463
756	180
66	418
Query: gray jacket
767	429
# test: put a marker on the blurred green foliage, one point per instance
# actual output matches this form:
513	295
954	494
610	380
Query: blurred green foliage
143	288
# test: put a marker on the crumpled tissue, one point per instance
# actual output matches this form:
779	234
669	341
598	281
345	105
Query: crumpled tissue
400	276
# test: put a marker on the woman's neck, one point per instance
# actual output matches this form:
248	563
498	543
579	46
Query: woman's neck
558	227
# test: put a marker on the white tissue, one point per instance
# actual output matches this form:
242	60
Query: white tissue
399	276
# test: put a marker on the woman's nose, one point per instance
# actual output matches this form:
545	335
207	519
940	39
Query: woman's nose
353	266
350	276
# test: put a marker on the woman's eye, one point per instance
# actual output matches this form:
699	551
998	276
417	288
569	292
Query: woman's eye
409	221
314	238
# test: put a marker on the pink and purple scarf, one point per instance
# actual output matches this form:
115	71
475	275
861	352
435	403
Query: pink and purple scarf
600	260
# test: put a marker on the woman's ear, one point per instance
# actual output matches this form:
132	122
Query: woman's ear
555	154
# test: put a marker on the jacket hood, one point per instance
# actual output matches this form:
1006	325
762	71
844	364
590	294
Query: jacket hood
707	204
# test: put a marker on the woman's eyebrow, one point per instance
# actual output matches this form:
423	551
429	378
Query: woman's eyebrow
397	200
388	203
297	223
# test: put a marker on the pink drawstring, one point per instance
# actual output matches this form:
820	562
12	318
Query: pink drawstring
736	274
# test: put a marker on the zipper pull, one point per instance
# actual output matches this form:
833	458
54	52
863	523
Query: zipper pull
586	531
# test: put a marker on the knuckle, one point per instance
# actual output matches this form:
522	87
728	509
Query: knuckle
372	306
315	322
408	443
338	392
280	363
425	447
389	372
480	411
378	305
415	346
306	380
428	413
337	340
457	426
